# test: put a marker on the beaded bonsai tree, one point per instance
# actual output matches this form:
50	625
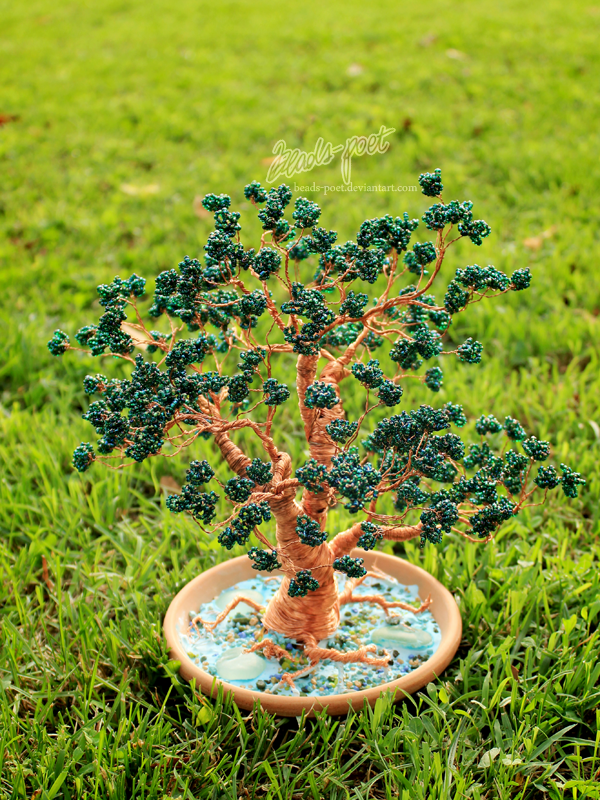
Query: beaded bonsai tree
188	387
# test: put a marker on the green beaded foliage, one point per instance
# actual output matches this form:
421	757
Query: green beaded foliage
309	531
265	560
353	567
229	315
302	584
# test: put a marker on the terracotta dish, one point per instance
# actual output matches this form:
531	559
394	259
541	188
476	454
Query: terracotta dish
215	580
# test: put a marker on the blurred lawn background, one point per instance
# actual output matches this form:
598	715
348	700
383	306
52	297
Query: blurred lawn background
115	117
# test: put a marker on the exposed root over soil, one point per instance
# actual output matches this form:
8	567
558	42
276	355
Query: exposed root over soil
347	596
315	654
210	626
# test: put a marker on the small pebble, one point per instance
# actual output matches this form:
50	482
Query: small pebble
261	685
253	621
395	653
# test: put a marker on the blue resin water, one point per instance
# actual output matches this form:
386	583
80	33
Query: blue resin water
408	640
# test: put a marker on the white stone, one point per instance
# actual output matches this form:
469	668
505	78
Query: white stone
234	664
406	637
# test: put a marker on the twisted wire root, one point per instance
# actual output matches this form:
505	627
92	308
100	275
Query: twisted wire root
210	626
315	654
347	597
269	648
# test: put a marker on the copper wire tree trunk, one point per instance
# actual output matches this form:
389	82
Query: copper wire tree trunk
316	616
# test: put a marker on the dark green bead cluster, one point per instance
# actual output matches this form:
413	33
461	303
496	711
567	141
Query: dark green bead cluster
242	526
389	393
200	472
59	343
477	230
369	374
417	259
264	560
312	475
237	387
547	477
94	383
403	432
321	395
193	295
485	521
387	232
216	202
482	278
239	489
570	481
487	424
456	298
250	360
514	429
409	494
302	584
254	191
190	351
309	531
455	213
353	567
201	505
450	445
354	304
434	378
271	215
306	213
311	304
521	279
536	449
371	534
340	430
83	455
470	351
514	471
260	472
409	354
353	480
275	393
321	240
437	520
267	262
431	183
108	332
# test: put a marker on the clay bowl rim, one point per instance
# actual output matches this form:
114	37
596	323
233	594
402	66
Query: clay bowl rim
199	590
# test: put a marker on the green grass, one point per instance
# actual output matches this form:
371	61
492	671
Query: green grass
191	97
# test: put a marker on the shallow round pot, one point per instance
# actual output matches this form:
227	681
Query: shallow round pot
211	583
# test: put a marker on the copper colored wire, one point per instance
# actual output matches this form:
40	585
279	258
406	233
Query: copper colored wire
210	626
316	616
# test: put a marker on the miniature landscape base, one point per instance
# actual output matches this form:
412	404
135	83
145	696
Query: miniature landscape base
361	624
